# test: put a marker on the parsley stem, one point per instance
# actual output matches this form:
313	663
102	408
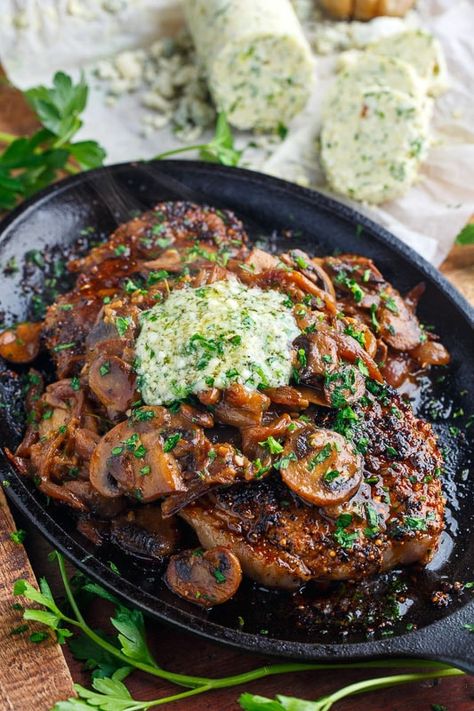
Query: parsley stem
67	588
362	687
197	685
7	137
182	695
71	169
185	149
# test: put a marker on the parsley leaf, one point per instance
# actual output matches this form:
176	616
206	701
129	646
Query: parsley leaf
219	150
30	163
466	236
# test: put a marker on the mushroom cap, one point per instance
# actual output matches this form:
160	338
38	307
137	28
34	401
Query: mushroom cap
21	343
145	533
206	578
321	466
130	459
112	381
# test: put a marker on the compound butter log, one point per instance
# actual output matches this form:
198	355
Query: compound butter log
257	61
33	677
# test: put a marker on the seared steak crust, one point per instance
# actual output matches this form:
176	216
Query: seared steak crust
395	518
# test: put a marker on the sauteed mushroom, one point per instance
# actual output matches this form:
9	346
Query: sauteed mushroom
130	459
206	578
21	343
321	466
240	407
145	533
399	327
112	381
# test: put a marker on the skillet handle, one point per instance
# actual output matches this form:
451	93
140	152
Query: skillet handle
446	641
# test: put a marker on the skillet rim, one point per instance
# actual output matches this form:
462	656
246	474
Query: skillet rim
437	640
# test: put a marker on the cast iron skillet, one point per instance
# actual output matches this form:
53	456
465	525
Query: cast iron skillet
101	199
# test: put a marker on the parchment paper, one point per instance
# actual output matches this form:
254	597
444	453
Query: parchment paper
39	37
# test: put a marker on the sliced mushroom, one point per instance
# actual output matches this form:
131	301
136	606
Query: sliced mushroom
325	348
21	343
431	353
130	459
222	465
253	439
397	368
287	396
113	381
344	387
311	268
145	533
320	355
96	504
321	466
240	407
206	578
399	327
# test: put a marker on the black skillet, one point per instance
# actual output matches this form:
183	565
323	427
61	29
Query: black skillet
260	620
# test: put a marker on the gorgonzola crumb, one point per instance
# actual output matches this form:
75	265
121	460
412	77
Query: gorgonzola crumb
213	336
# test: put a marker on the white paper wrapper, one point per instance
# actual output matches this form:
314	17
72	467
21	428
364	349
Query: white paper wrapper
39	37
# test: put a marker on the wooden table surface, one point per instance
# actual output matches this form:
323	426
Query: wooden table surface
182	652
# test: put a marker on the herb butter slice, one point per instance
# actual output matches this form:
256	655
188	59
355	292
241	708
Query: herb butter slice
422	51
257	60
359	70
372	145
213	336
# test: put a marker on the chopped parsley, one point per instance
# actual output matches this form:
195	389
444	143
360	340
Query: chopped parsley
122	324
105	368
259	469
350	330
302	359
171	442
320	457
331	475
373	317
273	446
219	576
64	346
284	462
18	536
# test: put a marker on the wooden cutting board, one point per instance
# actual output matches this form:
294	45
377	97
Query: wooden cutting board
32	676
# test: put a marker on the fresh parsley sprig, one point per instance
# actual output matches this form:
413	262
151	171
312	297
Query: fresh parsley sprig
253	702
220	149
111	659
30	163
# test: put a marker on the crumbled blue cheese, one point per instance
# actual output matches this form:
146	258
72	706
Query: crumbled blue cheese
371	146
213	336
257	60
